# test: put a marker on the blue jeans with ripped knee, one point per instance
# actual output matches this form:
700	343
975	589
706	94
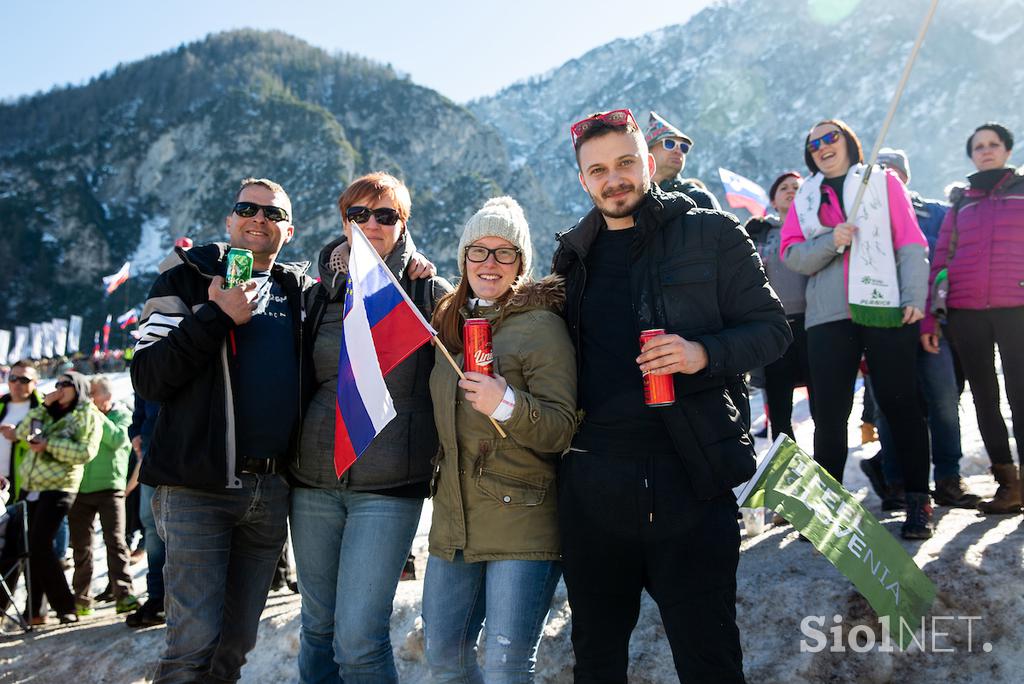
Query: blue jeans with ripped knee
508	598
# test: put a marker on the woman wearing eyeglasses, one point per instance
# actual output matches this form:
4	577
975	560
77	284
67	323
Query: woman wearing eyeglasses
352	534
63	434
865	294
981	247
494	545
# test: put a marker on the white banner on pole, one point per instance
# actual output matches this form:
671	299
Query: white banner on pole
35	344
5	345
48	335
20	343
60	331
74	334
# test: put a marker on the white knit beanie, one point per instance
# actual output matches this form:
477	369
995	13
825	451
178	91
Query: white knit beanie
499	217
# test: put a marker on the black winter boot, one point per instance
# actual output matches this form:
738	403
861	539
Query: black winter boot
918	524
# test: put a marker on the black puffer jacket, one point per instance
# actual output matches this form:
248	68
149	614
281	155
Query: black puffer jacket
694	273
184	361
401	453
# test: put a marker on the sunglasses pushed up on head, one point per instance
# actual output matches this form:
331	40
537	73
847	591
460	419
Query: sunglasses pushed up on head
616	117
829	138
250	209
385	216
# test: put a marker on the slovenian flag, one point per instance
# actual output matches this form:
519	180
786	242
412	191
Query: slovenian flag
381	328
128	318
116	280
743	192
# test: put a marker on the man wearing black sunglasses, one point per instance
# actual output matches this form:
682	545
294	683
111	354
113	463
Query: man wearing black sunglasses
225	367
21	397
669	147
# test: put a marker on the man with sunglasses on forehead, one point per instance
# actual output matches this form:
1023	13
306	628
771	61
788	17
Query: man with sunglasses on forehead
669	147
21	397
225	366
644	496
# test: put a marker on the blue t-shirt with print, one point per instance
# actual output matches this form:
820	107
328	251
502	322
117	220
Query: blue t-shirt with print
267	385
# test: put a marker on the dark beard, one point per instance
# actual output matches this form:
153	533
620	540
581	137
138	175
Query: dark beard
608	210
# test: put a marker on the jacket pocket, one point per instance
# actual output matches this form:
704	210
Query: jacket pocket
721	432
510	490
689	291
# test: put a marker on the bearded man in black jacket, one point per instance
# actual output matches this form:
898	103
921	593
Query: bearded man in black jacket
644	492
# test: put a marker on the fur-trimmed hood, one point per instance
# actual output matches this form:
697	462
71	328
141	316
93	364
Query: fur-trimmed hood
546	293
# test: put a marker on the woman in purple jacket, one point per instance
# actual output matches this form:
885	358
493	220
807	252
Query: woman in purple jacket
866	291
981	246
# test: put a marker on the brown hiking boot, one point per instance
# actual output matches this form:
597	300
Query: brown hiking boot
1008	495
868	433
950	491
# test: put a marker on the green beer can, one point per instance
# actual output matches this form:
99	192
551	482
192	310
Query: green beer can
239	267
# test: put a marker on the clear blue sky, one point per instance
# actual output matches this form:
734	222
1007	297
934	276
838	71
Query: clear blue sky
462	49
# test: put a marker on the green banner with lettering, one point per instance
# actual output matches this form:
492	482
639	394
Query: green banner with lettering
793	485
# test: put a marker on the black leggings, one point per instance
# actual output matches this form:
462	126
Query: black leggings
834	351
975	334
781	377
44	517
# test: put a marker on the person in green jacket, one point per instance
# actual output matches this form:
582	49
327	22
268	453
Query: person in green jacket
102	492
494	545
64	434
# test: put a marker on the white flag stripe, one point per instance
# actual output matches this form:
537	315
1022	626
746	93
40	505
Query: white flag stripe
359	237
363	353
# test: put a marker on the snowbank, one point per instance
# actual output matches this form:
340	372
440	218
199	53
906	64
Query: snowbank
976	562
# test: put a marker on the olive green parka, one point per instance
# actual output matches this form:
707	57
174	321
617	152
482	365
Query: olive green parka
494	498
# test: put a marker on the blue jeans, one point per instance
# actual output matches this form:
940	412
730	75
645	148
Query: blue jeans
222	546
60	542
512	596
937	381
350	548
155	552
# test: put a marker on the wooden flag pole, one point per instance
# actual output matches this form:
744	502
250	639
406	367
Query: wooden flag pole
852	216
440	345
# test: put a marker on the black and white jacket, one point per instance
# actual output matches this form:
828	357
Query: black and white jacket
185	359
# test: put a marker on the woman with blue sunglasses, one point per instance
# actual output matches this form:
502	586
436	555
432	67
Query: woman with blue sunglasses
866	291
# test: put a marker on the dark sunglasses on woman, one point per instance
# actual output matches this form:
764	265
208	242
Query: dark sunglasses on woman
61	384
249	209
828	139
385	216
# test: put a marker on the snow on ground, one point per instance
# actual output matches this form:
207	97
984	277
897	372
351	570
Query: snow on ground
977	563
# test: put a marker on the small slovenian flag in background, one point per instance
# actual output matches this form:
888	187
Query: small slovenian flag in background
116	280
128	318
743	192
381	328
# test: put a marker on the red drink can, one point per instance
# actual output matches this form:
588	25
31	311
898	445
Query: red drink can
476	341
659	390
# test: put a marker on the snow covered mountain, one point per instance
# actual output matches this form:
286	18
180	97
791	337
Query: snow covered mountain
91	176
747	79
